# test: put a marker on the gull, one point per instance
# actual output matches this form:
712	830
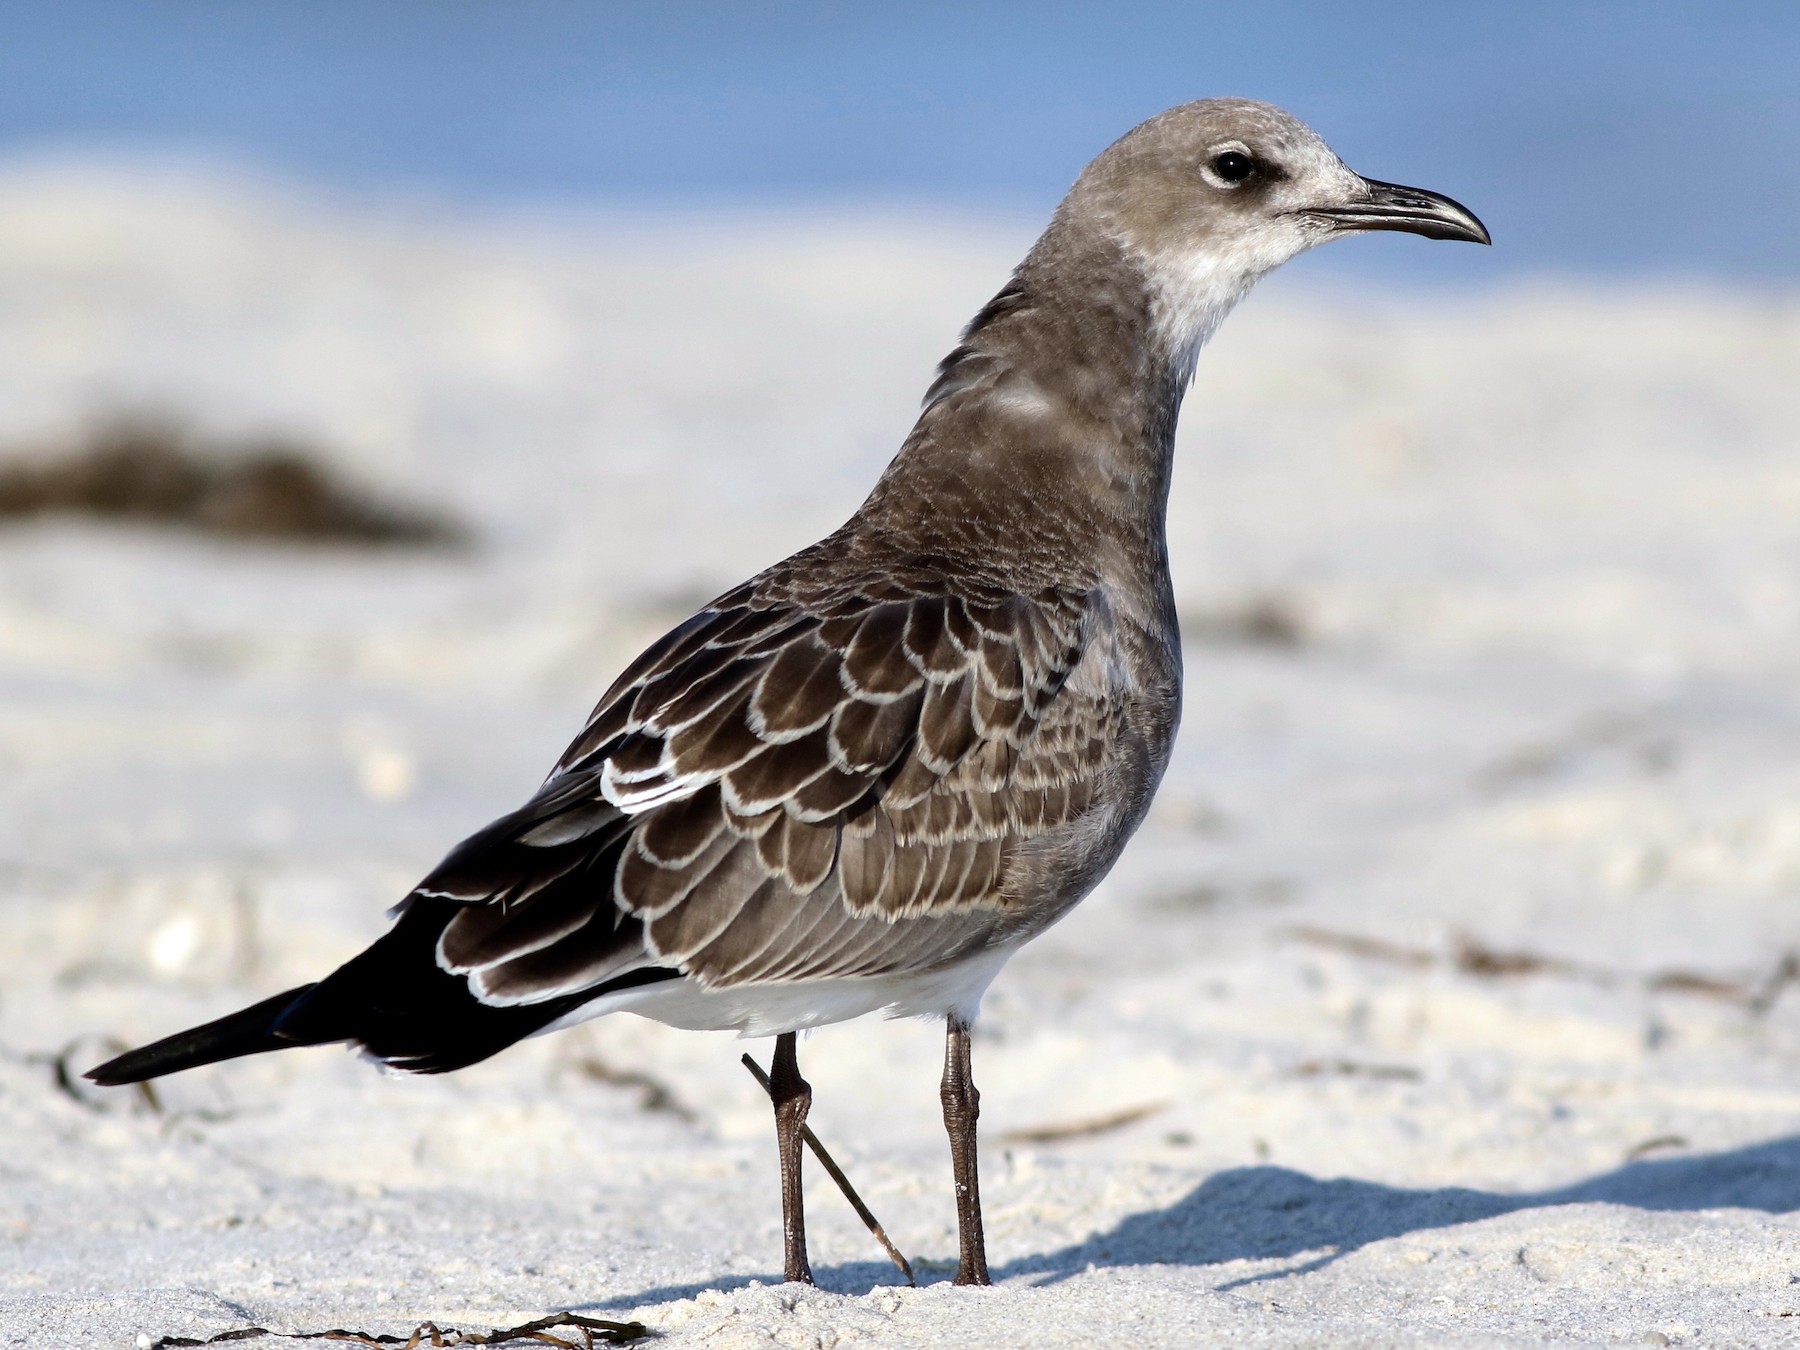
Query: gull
861	780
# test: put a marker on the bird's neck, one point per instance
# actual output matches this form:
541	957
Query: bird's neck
1054	419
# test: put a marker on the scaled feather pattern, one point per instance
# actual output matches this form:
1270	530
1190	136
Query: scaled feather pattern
814	777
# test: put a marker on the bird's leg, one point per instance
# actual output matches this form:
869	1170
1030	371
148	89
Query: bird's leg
792	1096
962	1108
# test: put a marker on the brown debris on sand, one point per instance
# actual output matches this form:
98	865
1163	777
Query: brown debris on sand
1268	620
592	1330
270	489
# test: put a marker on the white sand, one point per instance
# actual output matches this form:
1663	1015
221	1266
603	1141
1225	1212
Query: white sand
1543	549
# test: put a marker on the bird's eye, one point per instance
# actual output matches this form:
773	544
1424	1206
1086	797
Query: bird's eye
1233	166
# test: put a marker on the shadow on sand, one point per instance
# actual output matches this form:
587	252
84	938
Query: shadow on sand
1266	1213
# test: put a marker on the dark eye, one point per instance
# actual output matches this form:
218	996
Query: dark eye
1234	166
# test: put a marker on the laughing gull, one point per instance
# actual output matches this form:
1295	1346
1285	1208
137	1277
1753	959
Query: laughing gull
861	780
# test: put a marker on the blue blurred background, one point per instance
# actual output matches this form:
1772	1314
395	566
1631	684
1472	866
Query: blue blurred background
1615	139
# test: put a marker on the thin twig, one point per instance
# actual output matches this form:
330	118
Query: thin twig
1354	1068
1082	1129
1656	1145
843	1182
657	1095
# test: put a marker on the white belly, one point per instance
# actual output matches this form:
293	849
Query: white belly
770	1009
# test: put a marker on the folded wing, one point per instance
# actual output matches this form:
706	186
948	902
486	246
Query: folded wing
791	786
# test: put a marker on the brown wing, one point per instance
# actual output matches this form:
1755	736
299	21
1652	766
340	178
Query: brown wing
794	786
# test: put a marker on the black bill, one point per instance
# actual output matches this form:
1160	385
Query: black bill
1413	210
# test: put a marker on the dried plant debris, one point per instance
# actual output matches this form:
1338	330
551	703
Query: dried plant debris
1272	620
1355	1068
653	1094
1354	944
1647	748
588	1332
270	489
1206	897
1471	956
1661	1144
1082	1129
90	1050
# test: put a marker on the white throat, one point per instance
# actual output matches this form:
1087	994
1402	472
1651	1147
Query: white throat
1192	291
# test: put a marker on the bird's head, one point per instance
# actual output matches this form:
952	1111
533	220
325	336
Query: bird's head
1209	196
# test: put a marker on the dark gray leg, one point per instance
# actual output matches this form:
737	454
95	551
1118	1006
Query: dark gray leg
962	1108
792	1095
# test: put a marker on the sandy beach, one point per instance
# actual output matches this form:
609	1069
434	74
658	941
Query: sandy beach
1446	999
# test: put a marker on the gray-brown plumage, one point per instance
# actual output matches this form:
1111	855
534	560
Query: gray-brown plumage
862	779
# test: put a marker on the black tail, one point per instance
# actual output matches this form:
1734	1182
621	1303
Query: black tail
404	1009
396	1001
248	1032
393	1000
